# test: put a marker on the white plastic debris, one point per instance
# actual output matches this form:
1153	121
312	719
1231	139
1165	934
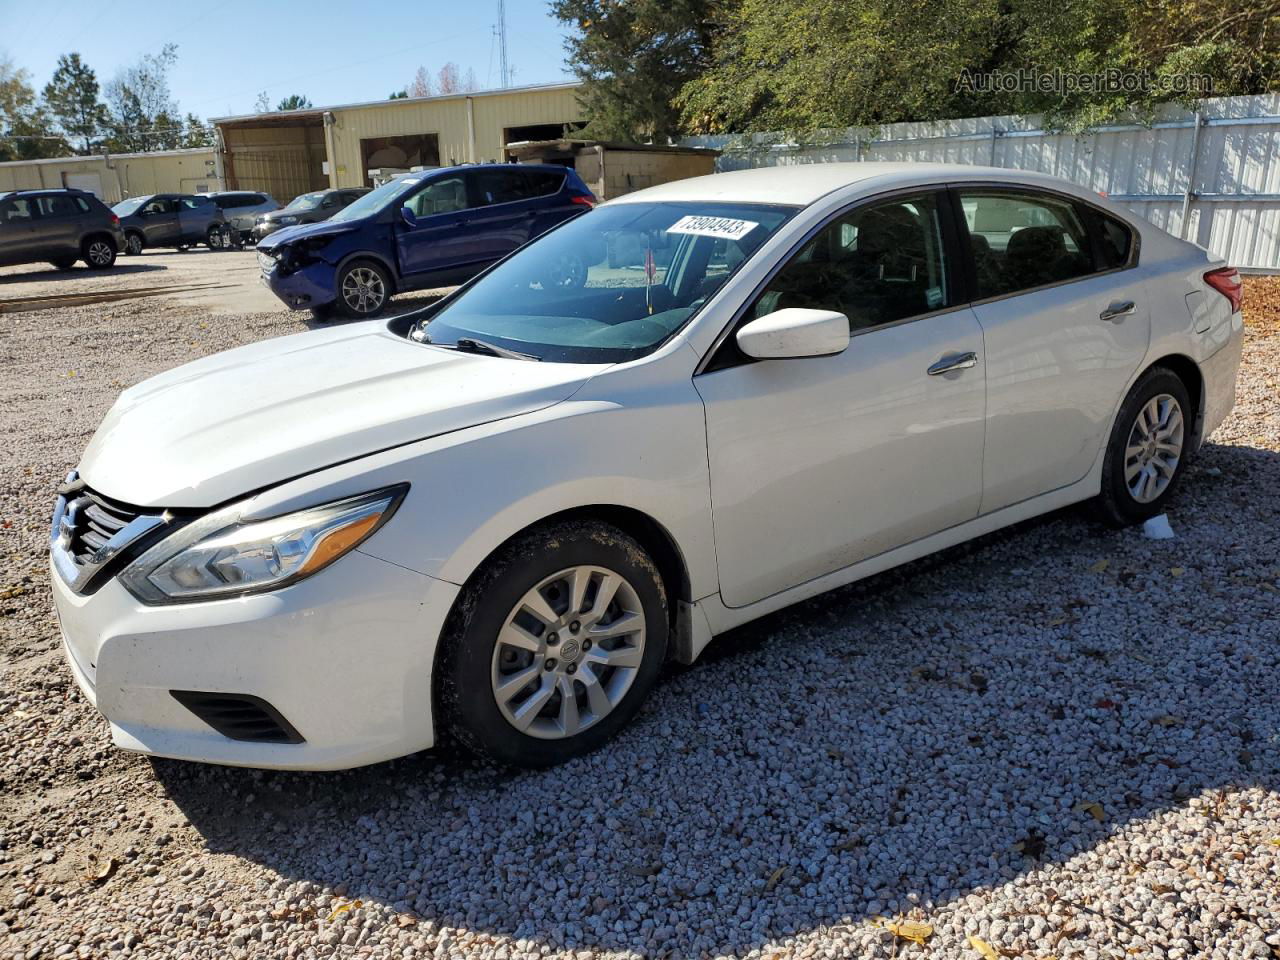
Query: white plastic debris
1157	528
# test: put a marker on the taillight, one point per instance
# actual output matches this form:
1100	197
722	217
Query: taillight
1228	283
582	201
115	221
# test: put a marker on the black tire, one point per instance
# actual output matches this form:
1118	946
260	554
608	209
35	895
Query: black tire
1117	504
464	676
134	243
214	238
64	263
361	306
98	253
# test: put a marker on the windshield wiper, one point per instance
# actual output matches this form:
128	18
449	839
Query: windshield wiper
470	345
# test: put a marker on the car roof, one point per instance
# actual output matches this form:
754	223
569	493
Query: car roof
801	184
40	190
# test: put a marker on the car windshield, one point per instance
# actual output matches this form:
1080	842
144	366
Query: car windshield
126	207
308	201
610	285
375	200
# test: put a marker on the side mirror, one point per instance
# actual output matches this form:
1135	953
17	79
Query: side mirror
795	332
407	216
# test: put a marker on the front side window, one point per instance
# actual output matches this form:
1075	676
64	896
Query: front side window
446	195
610	285
876	264
194	203
158	206
1022	240
16	211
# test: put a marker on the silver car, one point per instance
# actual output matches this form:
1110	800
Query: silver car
241	208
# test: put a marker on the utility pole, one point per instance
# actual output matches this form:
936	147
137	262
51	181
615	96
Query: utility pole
503	69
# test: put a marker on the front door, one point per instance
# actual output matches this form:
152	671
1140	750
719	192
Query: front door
159	218
439	240
818	463
1065	329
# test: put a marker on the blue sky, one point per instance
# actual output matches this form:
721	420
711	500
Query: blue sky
332	52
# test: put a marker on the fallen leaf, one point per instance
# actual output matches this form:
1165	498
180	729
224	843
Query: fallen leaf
1093	809
1105	704
344	907
910	930
406	920
983	948
1177	571
1100	566
774	879
1166	721
105	871
1275	841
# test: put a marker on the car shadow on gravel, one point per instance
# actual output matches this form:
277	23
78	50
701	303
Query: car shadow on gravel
952	726
78	273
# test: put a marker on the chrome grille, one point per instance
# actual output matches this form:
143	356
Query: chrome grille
90	529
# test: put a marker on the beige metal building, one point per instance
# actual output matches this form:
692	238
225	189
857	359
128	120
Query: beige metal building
291	152
113	177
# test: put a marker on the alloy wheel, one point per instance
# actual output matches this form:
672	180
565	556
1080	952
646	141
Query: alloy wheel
100	253
1154	448
568	652
134	244
363	290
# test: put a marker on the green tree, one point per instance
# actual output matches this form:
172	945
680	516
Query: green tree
72	98
26	129
399	95
196	133
295	101
634	56
142	113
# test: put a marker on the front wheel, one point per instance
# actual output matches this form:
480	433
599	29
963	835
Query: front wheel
1148	449
363	289
553	646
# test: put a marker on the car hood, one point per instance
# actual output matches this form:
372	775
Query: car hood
303	230
238	421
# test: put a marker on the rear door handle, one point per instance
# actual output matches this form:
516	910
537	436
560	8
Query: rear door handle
954	361
1117	311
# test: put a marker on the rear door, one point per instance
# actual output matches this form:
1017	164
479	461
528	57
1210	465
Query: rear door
59	224
439	238
505	211
18	243
1065	329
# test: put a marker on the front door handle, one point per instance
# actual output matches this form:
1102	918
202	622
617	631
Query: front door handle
954	361
1117	311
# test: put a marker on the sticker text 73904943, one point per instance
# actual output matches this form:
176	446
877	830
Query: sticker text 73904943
724	228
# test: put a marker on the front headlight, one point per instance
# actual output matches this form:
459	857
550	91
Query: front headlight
222	556
288	220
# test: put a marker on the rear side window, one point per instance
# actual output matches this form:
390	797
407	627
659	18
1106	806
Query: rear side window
501	186
56	205
83	204
1023	240
1115	242
543	183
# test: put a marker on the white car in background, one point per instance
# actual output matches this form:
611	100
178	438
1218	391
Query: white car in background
241	208
497	517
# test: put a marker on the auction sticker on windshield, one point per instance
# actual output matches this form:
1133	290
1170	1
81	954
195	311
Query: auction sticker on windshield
723	228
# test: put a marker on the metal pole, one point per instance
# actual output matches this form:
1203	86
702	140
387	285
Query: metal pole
1189	194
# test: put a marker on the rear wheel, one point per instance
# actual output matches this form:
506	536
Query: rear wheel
1148	449
215	238
99	253
133	244
363	289
554	646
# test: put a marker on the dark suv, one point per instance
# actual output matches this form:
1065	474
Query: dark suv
307	208
421	230
59	226
171	220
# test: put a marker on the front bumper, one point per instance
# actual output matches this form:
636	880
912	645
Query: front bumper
344	656
311	286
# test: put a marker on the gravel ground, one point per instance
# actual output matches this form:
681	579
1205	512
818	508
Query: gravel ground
1061	741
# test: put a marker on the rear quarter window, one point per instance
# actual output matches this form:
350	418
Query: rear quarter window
543	183
1115	242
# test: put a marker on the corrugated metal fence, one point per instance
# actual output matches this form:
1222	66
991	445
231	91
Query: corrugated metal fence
1211	175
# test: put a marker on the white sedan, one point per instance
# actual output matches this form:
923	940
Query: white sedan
495	518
